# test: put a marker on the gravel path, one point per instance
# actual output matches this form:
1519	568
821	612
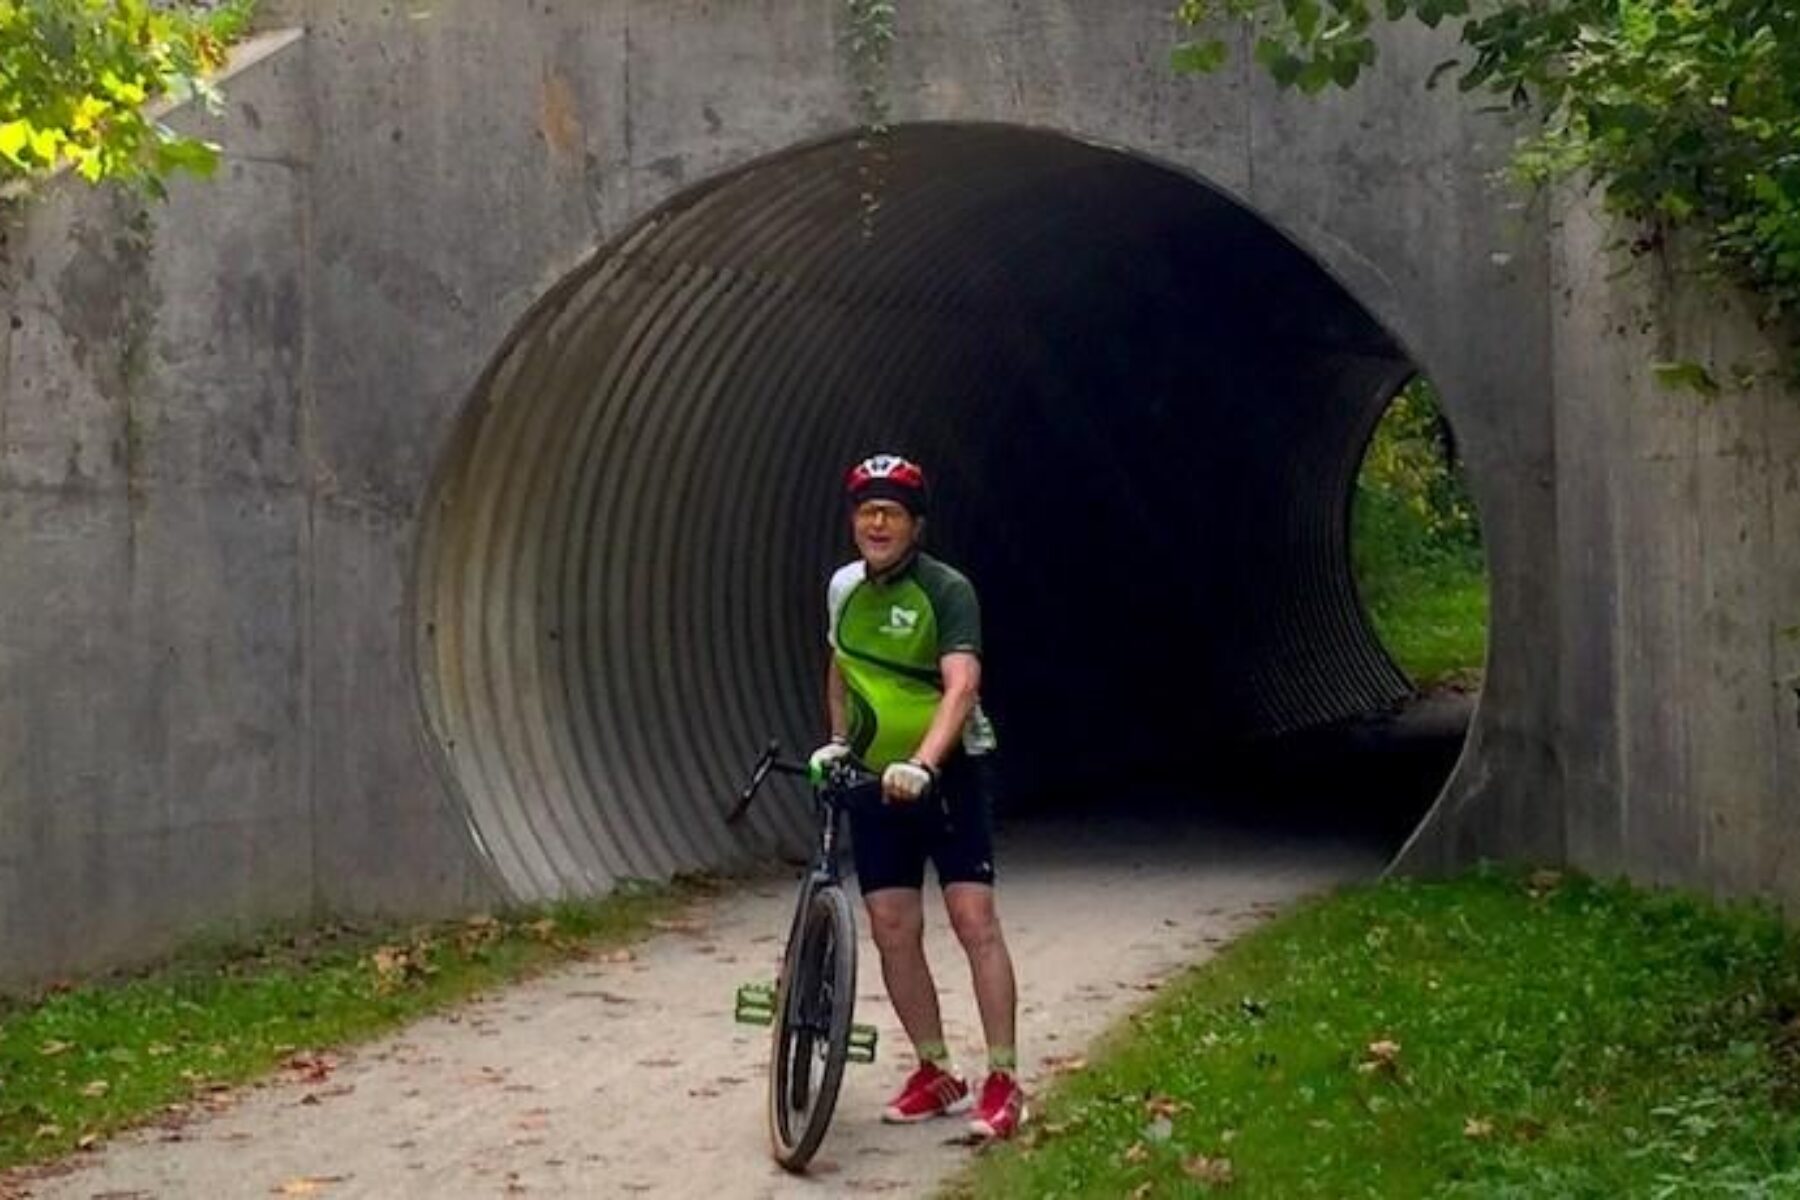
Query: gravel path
622	1077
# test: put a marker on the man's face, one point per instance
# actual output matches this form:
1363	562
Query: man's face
885	532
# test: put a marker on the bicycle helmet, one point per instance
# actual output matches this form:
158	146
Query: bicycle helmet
888	477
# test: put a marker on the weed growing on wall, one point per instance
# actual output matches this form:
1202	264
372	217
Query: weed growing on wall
869	43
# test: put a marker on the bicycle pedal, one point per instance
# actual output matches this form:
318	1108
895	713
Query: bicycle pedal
755	1004
862	1043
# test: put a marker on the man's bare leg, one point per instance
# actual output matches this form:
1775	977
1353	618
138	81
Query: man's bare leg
976	920
897	921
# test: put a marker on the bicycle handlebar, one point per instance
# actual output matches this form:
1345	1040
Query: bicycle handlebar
843	775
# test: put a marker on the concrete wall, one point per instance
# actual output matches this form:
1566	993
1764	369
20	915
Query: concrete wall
1679	566
218	434
168	538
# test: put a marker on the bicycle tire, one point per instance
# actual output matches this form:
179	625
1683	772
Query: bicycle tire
813	1009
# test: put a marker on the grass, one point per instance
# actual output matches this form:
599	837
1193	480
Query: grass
83	1062
1428	600
1497	1036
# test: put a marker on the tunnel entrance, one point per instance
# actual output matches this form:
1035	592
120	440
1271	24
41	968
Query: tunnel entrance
1144	410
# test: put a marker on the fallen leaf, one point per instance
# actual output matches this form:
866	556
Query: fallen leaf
310	1068
1165	1106
87	1141
1477	1127
1141	1190
96	1089
1137	1152
1064	1064
48	1131
1214	1172
52	1048
308	1185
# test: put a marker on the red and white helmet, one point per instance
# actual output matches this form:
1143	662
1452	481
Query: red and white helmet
888	477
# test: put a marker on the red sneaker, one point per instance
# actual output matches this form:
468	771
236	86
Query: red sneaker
928	1092
1002	1107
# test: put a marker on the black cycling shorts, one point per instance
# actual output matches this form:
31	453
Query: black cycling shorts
952	826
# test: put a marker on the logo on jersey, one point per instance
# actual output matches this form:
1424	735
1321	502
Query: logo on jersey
901	621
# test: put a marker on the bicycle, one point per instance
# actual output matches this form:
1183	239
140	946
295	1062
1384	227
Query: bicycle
811	1004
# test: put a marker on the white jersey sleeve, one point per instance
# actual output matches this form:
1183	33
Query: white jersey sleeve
837	594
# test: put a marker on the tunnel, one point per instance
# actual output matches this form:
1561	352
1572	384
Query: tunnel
1142	408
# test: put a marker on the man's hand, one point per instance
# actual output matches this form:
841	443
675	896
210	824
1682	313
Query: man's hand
819	762
905	782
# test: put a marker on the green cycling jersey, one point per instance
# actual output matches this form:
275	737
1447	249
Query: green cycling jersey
888	637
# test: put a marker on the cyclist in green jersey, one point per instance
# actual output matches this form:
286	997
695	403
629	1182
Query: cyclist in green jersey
903	697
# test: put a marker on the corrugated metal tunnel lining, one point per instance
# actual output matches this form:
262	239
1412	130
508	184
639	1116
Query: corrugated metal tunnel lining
1143	409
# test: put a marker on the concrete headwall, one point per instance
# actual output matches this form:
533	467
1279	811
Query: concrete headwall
1679	572
1677	582
160	538
221	430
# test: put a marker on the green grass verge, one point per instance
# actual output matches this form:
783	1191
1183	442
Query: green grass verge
1491	1037
1434	622
86	1061
1428	600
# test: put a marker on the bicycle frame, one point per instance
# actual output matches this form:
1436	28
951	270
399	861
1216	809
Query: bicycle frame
844	781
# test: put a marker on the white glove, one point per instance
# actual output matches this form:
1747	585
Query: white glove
821	759
906	781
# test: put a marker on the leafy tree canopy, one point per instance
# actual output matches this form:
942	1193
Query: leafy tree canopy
1685	113
80	82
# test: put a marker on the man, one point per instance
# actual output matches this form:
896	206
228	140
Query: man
903	697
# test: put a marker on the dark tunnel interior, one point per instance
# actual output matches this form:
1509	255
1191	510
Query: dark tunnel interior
1143	410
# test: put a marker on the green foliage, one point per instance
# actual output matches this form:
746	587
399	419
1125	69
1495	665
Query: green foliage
1412	460
79	80
1686	113
1503	1035
1416	544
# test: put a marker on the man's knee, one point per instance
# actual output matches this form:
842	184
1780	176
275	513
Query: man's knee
896	920
973	917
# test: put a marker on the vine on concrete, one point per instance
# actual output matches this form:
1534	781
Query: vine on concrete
869	43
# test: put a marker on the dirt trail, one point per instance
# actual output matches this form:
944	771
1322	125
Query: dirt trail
628	1077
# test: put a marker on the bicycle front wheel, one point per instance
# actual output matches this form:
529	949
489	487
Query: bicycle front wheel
813	1008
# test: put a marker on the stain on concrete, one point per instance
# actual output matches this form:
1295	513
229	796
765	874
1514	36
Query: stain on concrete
559	118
